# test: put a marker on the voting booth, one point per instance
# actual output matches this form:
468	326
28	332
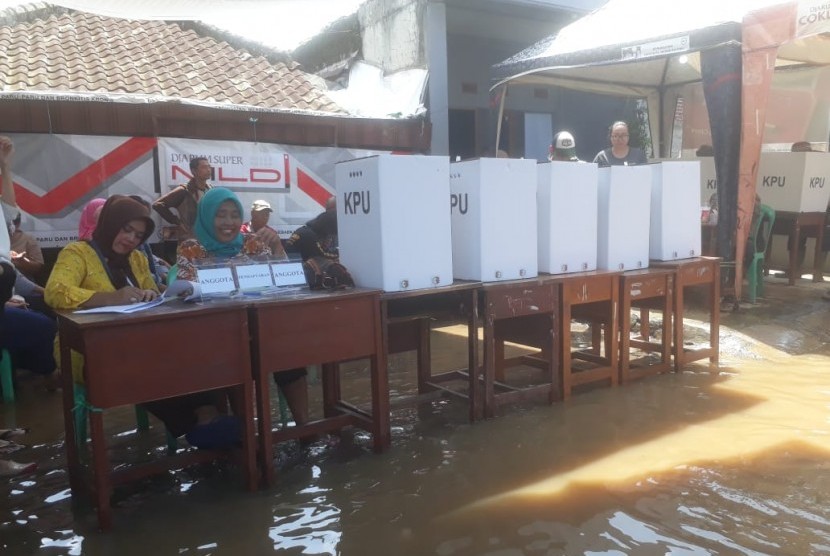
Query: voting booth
624	211
393	221
675	212
567	212
493	213
794	182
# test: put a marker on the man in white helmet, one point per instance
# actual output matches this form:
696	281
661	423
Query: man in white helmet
563	148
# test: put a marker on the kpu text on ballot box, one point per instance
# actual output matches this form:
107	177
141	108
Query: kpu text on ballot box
493	208
675	213
708	178
624	210
567	209
794	182
393	221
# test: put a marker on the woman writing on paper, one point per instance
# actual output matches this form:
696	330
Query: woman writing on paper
218	239
109	270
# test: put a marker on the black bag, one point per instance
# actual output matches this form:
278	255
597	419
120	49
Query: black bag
325	274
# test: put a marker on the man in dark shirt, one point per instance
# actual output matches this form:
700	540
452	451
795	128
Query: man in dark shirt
318	237
184	199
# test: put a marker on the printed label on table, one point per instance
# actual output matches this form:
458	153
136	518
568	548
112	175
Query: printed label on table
254	276
288	274
216	280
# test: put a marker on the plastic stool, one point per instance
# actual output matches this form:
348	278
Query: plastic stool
6	377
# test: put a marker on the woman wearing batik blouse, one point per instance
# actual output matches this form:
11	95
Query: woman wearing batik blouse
218	240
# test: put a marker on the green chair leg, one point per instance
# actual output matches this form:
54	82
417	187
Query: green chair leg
172	443
141	419
6	377
81	414
143	424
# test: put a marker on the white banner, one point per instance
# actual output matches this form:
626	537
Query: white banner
813	17
656	48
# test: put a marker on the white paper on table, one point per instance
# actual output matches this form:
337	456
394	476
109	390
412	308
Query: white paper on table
183	289
179	289
126	309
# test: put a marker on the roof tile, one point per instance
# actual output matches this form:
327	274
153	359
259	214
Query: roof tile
75	51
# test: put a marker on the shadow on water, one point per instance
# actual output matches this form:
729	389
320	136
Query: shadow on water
731	462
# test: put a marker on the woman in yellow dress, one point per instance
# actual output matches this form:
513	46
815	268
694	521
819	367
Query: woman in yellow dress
110	270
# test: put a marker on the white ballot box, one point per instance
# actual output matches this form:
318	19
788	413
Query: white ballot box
624	210
675	213
493	209
794	182
567	203
392	221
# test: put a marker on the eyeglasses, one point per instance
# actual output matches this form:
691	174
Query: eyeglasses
619	136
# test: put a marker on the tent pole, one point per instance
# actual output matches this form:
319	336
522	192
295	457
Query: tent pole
498	122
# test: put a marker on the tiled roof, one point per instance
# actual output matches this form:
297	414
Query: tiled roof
73	52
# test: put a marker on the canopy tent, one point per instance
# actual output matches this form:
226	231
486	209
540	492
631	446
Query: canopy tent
649	49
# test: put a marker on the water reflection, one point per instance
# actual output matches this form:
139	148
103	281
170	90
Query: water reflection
732	462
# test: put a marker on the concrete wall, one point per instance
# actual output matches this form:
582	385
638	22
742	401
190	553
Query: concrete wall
393	36
401	34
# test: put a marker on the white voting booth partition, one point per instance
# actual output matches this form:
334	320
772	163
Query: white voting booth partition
624	207
493	208
567	211
794	182
393	222
675	214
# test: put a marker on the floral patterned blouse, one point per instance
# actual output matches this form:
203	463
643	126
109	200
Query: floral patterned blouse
191	254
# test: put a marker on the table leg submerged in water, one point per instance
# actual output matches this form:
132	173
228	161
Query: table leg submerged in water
119	370
407	318
320	328
699	271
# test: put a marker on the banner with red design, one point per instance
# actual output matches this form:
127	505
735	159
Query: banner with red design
56	175
295	180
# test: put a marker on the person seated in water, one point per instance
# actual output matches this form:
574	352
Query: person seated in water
110	270
219	239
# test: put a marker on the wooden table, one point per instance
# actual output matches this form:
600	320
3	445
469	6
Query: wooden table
171	350
696	271
591	296
791	224
319	328
647	289
407	318
524	311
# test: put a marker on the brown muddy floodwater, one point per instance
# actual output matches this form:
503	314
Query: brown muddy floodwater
726	462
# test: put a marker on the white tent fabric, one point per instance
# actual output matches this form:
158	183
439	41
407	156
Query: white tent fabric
647	47
644	48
